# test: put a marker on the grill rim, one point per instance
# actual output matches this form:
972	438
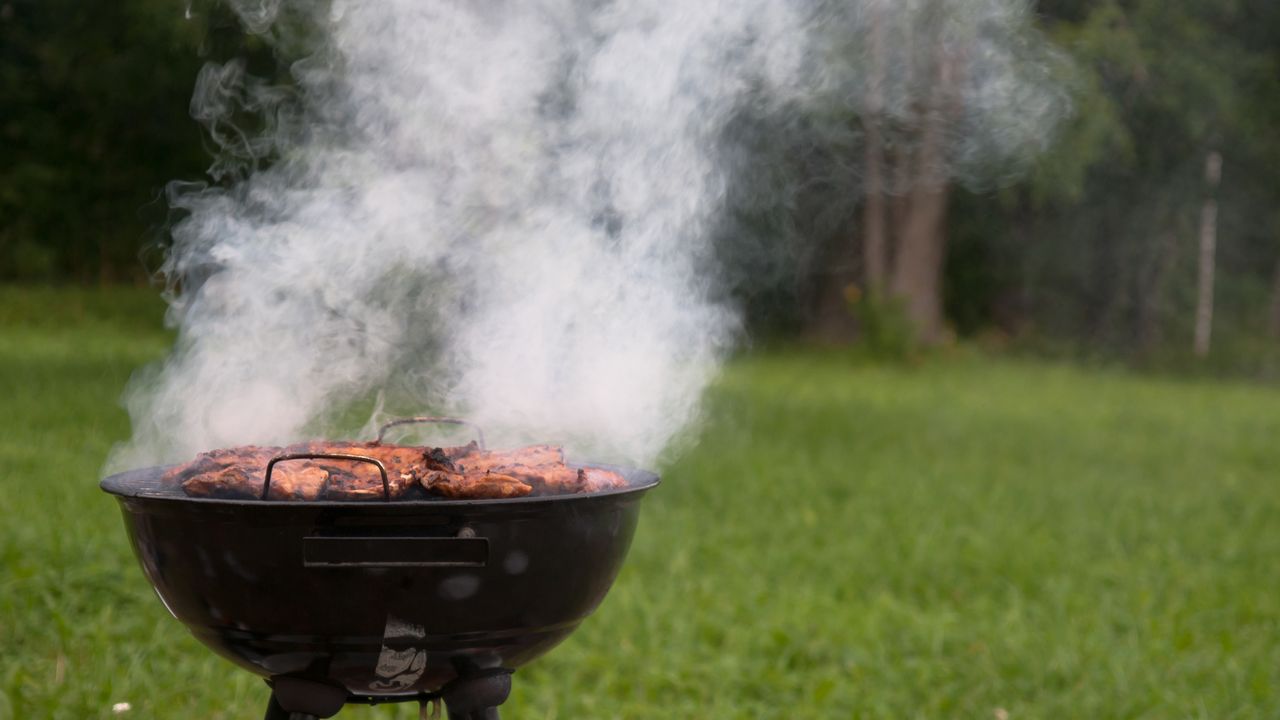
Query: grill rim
144	484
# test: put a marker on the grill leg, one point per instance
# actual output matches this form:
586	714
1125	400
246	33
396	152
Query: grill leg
477	696
275	712
298	699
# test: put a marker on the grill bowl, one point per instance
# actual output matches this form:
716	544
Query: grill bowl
379	598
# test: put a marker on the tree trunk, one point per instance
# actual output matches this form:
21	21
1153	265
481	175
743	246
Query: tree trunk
1208	249
899	198
917	272
921	238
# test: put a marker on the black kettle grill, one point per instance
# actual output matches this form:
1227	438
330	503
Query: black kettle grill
384	600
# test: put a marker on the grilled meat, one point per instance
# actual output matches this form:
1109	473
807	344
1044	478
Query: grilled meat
462	472
598	479
543	468
475	485
531	456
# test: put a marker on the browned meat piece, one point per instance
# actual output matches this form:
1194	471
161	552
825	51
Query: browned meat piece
222	482
229	473
241	475
295	481
546	479
562	480
597	479
475	485
215	460
532	456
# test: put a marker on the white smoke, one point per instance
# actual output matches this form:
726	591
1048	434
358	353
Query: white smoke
495	209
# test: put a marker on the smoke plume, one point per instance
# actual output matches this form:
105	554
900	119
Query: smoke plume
493	209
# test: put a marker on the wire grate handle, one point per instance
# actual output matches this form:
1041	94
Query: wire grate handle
382	469
424	419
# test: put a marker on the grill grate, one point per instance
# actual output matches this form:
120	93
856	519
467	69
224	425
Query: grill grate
149	483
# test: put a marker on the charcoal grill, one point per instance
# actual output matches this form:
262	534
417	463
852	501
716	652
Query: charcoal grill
378	601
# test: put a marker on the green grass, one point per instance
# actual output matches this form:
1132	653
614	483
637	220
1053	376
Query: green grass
845	540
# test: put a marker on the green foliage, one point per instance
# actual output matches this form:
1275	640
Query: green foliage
93	123
1096	130
1097	249
884	330
938	541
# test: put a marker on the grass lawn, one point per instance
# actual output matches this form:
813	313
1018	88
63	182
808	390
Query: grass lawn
962	539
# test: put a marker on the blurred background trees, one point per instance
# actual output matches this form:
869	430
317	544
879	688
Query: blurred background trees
1108	225
93	123
865	218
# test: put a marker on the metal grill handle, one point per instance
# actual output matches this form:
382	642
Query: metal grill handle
382	469
382	431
